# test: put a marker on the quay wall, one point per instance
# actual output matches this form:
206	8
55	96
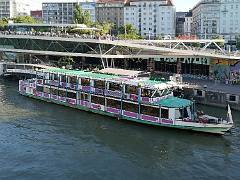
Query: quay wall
213	98
1	69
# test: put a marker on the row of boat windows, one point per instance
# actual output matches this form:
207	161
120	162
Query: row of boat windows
112	103
129	89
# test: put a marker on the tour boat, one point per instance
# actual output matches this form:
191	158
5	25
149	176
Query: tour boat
125	96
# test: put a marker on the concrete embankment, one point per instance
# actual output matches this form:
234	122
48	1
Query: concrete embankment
214	94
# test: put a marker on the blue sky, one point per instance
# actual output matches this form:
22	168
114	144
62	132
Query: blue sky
181	5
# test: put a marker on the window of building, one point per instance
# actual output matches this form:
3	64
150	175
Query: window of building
232	98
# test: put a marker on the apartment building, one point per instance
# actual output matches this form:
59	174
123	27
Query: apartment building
110	11
188	24
151	18
63	12
12	8
217	17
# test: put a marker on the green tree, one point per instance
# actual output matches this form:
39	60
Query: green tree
128	31
81	16
65	61
221	44
104	28
3	23
25	19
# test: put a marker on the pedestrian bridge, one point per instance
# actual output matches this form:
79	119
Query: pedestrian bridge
108	48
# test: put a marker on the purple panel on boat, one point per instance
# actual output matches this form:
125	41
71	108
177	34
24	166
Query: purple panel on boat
54	97
98	91
149	118
39	94
145	99
96	106
167	121
46	95
71	101
86	88
72	86
39	81
134	97
83	103
113	110
62	98
130	114
113	93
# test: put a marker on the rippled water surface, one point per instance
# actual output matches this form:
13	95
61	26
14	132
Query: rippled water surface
39	140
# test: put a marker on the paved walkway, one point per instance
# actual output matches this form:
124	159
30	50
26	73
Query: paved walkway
213	86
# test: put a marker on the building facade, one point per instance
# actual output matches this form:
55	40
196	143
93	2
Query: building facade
217	17
188	24
36	15
63	12
180	19
13	8
110	11
153	18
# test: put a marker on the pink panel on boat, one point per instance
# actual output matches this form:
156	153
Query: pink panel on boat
46	95
97	106
71	101
98	91
134	97
130	114
145	99
113	110
39	94
167	121
62	98
86	88
149	118
83	103
54	97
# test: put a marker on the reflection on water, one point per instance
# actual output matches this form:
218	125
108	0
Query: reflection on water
40	140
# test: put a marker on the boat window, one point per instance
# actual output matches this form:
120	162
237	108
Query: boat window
63	78
84	96
99	84
54	91
62	93
72	80
130	107
46	90
46	76
131	89
147	93
85	82
39	88
39	75
71	95
164	113
114	86
98	100
151	111
53	76
113	103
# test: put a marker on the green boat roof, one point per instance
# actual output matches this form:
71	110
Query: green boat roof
174	102
87	74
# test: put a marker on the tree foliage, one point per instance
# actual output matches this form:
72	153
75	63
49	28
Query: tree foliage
65	61
128	31
81	16
3	23
104	28
24	19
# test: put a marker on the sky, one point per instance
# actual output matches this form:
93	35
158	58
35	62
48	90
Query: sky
181	5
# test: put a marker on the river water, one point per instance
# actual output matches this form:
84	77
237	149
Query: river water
39	140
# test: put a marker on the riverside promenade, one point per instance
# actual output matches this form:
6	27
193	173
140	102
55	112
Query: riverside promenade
210	92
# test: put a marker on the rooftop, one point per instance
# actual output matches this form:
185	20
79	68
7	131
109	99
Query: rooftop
174	102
